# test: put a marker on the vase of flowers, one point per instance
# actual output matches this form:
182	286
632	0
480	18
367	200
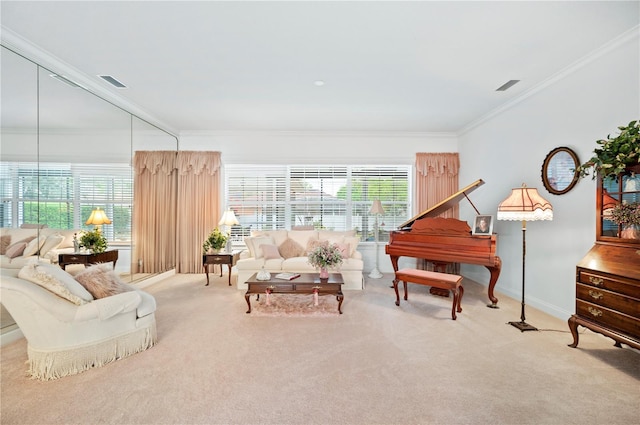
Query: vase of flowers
627	215
214	242
324	257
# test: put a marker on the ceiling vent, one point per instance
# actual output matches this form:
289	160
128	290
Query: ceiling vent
115	83
506	86
65	80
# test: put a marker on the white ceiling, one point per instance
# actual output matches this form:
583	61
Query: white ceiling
388	65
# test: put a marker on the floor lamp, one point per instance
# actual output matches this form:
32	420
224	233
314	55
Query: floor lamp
524	204
228	219
376	210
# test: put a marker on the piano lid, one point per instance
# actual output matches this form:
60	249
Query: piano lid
445	204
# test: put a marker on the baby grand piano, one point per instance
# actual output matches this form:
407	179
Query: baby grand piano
442	241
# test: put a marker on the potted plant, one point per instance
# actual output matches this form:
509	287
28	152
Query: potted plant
214	242
94	241
615	155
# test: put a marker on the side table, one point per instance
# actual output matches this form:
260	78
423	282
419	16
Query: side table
87	258
228	258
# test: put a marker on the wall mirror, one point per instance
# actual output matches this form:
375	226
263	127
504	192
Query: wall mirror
559	173
75	149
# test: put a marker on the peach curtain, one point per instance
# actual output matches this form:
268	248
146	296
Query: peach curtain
437	178
154	211
198	206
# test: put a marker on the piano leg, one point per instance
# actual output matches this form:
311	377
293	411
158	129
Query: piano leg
495	273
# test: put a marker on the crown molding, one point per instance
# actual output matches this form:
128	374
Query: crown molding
320	134
627	36
44	59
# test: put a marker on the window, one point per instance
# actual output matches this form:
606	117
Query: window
63	195
325	197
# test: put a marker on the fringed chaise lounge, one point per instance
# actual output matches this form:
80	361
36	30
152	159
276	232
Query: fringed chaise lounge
69	331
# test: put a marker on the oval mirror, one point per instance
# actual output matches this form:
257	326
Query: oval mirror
559	170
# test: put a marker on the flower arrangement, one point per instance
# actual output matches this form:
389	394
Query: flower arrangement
93	240
615	154
625	214
216	240
325	256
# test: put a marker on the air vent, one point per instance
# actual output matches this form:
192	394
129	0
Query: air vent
65	80
109	79
507	85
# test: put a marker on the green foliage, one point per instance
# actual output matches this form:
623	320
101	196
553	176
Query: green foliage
216	240
93	240
615	154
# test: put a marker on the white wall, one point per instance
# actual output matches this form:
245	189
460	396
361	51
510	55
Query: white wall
323	148
583	106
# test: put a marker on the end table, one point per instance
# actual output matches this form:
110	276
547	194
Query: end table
228	258
86	258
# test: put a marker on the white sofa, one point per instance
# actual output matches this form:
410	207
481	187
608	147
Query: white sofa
45	244
292	247
69	331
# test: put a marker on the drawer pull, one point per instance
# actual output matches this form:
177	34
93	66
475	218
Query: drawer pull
597	281
595	312
595	294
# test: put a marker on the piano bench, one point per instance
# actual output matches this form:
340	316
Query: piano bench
451	282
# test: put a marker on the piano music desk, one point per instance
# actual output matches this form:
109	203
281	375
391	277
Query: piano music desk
451	282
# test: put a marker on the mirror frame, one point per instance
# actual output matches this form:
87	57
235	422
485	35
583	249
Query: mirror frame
549	163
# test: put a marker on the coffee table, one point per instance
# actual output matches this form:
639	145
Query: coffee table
307	283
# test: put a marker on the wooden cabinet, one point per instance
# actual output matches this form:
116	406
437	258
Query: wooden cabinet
608	277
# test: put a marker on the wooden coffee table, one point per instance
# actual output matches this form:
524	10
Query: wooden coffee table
307	283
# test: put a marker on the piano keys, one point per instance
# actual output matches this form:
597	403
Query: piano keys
443	241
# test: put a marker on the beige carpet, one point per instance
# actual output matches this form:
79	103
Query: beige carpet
375	364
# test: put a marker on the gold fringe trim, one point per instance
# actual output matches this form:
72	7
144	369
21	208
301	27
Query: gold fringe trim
48	365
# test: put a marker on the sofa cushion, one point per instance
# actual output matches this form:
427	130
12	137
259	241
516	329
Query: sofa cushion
101	281
278	236
290	249
269	252
302	236
34	246
335	236
67	234
16	249
5	242
55	280
51	242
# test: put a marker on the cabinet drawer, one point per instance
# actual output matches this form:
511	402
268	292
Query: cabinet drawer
612	319
272	286
619	285
608	299
323	288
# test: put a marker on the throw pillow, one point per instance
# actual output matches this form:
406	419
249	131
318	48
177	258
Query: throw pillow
51	242
257	241
34	246
270	252
353	243
101	281
290	248
313	244
63	286
5	242
345	249
15	250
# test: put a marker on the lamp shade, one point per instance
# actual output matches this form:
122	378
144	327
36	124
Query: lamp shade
376	207
525	204
228	218
98	217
